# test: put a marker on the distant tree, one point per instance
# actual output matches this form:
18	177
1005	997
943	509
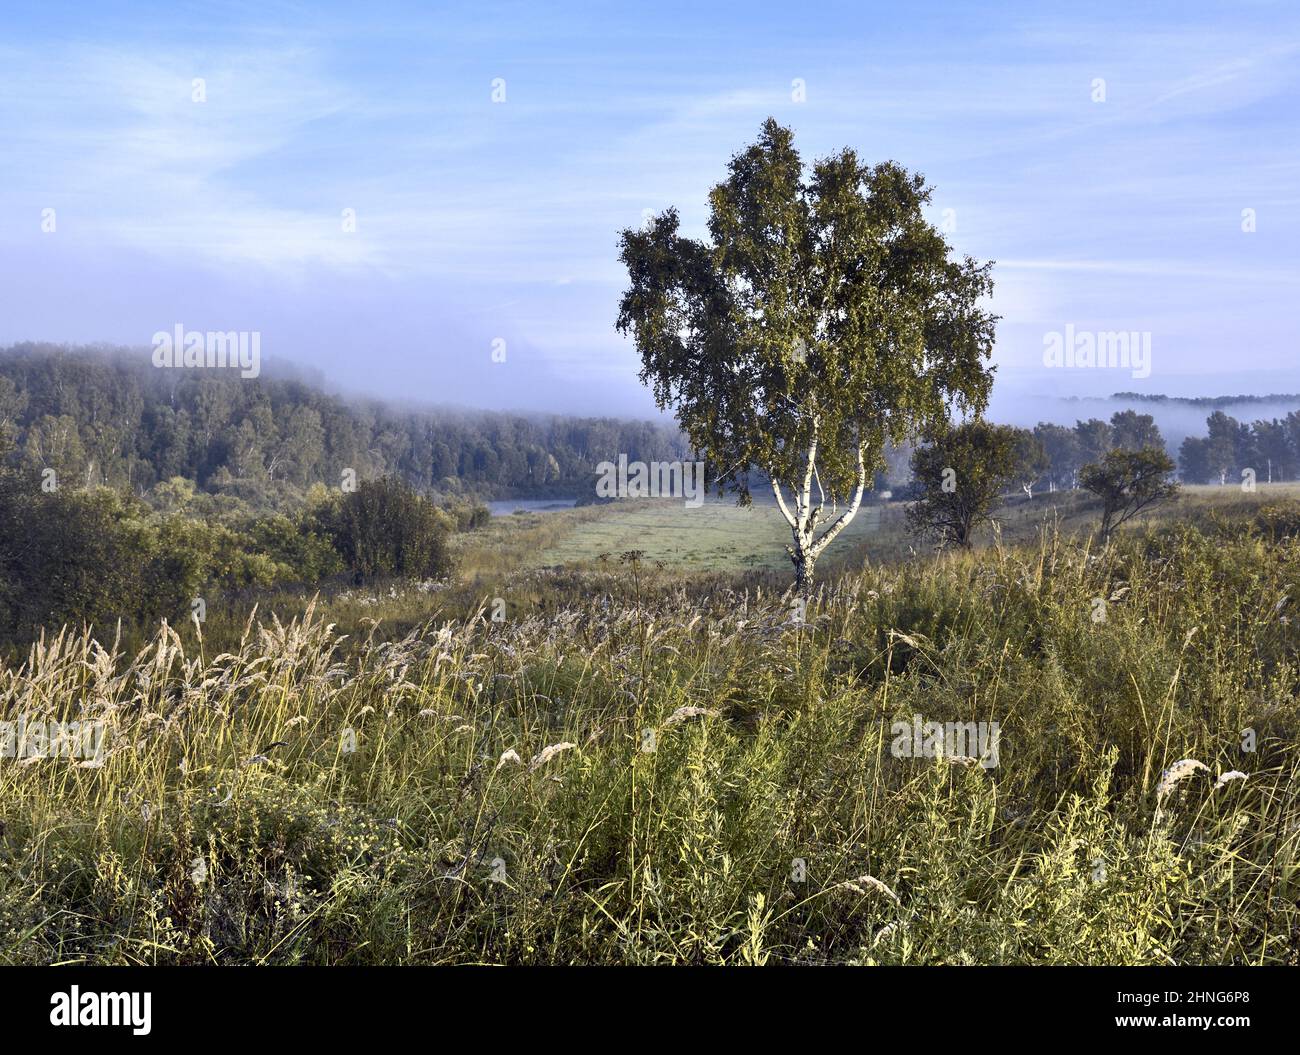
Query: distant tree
1128	482
822	320
1248	455
1272	445
1131	431
1031	460
1223	444
1291	426
297	455
958	479
12	404
1193	460
173	495
247	459
1064	454
1096	437
54	442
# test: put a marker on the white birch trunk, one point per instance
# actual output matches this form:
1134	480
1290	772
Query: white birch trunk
807	545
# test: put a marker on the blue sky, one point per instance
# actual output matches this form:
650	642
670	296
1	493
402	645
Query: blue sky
478	220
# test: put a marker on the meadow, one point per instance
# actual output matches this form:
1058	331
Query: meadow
717	534
722	536
627	763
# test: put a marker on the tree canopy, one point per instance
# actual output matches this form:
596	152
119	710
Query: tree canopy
1128	482
822	318
960	476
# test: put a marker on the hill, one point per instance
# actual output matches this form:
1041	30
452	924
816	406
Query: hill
105	417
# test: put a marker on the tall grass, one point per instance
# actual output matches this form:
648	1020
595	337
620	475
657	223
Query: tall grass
634	768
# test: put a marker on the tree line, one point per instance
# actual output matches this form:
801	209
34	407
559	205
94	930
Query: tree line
110	419
1269	449
961	475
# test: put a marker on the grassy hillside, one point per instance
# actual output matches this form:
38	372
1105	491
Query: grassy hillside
643	766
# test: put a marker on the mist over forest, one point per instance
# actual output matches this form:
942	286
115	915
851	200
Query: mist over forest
1177	417
104	416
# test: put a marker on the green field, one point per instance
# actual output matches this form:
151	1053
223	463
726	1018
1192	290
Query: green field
721	536
718	534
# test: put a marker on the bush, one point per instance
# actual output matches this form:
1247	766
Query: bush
469	516
958	478
88	557
1278	521
101	558
386	528
1128	482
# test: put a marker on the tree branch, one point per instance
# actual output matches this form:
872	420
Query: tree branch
780	501
828	536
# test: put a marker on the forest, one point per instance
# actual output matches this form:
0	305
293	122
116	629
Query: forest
107	417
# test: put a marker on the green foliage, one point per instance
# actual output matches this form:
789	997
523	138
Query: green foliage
1278	521
96	557
1269	449
1132	431
1067	450
960	476
87	558
467	515
1064	453
385	528
1128	482
1029	460
823	319
1194	460
295	545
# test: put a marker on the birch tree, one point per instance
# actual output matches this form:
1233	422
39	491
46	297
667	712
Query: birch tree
821	319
